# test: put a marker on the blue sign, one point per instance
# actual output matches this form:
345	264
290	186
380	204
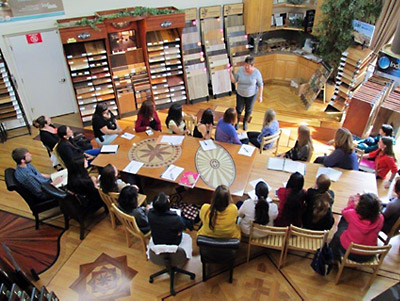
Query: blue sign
388	66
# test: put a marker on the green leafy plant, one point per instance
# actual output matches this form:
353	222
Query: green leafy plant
335	30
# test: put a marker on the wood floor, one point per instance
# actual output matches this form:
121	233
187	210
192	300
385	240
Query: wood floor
103	267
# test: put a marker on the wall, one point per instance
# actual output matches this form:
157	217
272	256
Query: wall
77	8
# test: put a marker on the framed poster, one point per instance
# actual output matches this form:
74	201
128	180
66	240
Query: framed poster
19	10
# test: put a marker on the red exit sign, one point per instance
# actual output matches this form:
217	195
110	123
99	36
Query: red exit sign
34	38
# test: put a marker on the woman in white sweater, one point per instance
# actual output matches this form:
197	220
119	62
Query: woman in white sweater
261	210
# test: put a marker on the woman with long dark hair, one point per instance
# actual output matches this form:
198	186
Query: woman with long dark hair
175	123
111	182
204	128
68	149
291	202
127	202
147	117
360	223
80	183
219	217
47	131
105	126
167	226
260	210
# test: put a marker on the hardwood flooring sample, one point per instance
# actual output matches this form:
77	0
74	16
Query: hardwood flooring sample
234	20
221	82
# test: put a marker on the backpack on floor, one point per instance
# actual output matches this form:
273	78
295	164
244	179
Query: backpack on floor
323	260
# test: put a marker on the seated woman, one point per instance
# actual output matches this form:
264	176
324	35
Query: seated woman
360	223
385	160
80	183
147	117
110	181
219	217
371	143
47	132
392	211
175	123
204	128
270	127
105	126
225	131
127	202
166	226
343	156
303	148
261	210
68	149
319	200
291	202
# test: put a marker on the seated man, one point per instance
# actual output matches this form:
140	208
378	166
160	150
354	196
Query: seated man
28	176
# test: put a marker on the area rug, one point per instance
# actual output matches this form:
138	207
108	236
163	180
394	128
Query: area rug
87	133
37	249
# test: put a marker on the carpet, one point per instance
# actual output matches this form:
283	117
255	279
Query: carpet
87	133
37	249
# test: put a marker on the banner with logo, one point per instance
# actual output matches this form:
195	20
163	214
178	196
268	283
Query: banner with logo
388	66
19	10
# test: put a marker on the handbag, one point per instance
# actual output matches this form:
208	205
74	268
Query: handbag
323	260
189	211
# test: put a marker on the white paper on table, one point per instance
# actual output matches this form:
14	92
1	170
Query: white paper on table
128	136
172	172
62	173
332	173
256	181
242	135
178	211
207	145
246	150
238	193
172	139
133	167
293	166
149	132
252	194
109	148
276	164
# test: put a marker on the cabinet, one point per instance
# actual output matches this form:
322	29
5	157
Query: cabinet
259	15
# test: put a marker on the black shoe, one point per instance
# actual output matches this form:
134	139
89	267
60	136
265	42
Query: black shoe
245	126
237	126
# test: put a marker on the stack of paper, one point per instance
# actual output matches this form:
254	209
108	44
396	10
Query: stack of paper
133	167
286	165
63	174
332	173
172	172
246	150
172	139
127	136
109	149
207	145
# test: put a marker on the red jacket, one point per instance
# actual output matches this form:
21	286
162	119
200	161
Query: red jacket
383	163
285	218
142	124
359	231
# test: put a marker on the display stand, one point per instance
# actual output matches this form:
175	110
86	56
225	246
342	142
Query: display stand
137	52
235	34
215	50
10	104
193	56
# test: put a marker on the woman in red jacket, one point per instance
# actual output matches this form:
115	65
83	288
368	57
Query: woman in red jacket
147	117
360	223
385	160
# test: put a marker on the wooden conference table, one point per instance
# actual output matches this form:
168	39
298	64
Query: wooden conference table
247	169
186	160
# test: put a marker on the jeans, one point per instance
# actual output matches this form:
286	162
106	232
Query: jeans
107	139
247	103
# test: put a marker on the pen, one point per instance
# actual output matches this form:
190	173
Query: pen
164	170
245	149
205	143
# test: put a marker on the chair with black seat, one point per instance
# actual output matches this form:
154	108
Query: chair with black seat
72	207
171	261
218	251
36	205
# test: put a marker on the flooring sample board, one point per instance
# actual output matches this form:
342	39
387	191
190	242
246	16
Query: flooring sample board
234	20
208	24
217	57
231	29
215	47
190	38
219	63
221	82
134	56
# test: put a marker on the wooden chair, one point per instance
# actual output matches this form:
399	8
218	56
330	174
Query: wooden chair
359	154
275	239
190	122
379	253
271	139
304	240
392	233
109	199
131	227
57	155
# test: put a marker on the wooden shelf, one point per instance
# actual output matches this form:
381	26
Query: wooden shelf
288	5
273	28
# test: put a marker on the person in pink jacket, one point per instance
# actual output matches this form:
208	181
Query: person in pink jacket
360	223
